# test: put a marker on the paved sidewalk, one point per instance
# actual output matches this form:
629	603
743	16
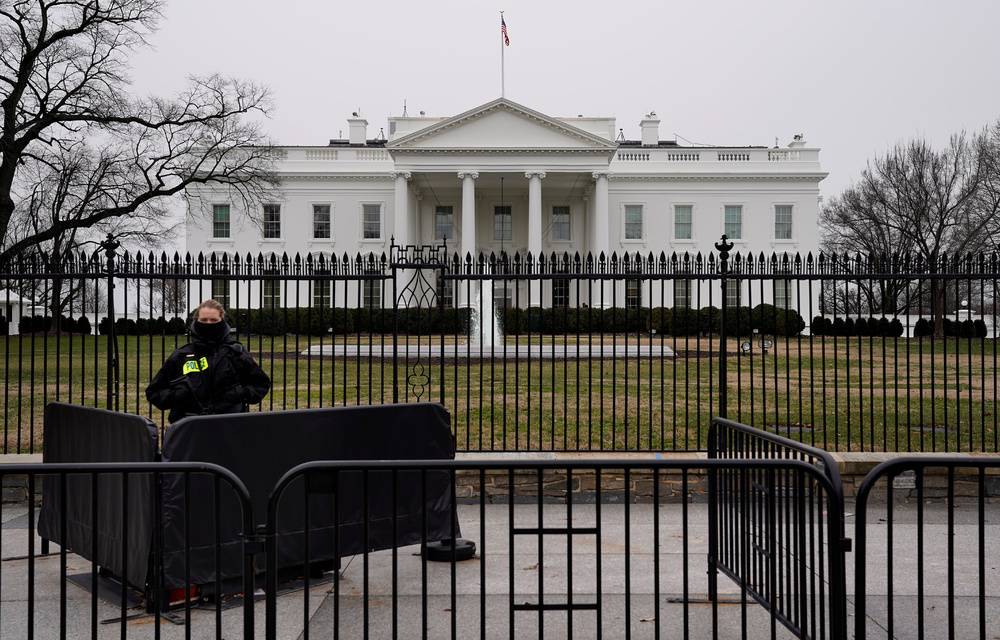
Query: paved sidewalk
640	609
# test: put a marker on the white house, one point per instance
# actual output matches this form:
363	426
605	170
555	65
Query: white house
503	177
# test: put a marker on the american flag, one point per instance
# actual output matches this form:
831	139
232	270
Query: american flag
503	31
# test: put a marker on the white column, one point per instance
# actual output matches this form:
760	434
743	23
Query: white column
602	237
602	241
468	245
535	229
401	211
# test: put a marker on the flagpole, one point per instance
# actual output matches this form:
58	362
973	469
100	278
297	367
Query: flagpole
501	60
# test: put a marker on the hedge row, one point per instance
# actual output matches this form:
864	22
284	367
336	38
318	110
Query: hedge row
885	328
873	327
742	321
44	324
144	327
952	328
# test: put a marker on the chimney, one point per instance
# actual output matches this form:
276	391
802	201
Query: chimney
798	141
650	127
358	127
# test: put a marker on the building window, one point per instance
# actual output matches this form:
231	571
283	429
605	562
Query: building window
371	221
560	224
445	291
444	223
633	222
734	221
270	297
220	221
682	222
321	291
682	293
733	293
502	225
503	294
782	293
272	220
560	293
782	222
321	221
220	287
371	297
633	293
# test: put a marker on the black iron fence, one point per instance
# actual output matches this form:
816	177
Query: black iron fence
585	353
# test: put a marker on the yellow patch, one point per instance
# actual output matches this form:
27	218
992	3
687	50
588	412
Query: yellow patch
195	366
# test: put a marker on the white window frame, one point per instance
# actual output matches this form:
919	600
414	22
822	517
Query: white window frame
743	210
381	222
263	222
774	223
224	283
369	295
229	236
731	285
637	283
312	210
673	221
624	225
493	223
453	225
569	224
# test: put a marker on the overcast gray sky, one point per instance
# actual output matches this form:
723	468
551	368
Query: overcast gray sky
854	76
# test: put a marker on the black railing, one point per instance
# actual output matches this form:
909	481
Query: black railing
782	528
924	565
564	546
127	535
580	353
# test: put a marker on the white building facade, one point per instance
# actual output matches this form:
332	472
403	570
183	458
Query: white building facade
504	178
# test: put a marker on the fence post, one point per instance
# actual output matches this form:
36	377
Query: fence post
110	245
393	260
723	247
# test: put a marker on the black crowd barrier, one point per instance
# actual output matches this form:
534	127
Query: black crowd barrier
75	434
792	565
257	448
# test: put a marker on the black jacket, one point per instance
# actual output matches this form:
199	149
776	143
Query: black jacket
208	377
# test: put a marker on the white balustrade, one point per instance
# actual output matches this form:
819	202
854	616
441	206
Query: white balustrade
371	154
683	157
321	154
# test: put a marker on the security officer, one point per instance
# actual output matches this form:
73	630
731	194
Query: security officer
212	374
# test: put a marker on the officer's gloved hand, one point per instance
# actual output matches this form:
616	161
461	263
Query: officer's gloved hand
234	394
182	391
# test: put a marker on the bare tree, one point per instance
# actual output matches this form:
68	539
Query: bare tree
919	202
68	120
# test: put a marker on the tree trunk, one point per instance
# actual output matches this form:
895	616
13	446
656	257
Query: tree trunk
938	295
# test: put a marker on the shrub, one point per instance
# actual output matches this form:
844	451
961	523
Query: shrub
739	322
771	320
979	328
685	322
83	325
923	328
4	326
709	319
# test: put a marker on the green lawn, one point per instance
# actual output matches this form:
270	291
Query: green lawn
841	394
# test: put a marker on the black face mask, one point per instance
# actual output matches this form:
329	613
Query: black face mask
211	331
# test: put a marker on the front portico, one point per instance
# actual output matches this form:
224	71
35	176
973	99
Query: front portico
506	172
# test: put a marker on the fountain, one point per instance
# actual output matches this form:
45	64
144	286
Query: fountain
491	333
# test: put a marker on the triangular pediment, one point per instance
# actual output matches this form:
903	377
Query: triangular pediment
501	124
